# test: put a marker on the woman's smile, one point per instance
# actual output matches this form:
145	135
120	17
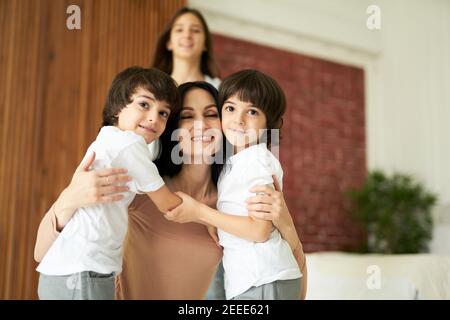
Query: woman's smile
203	138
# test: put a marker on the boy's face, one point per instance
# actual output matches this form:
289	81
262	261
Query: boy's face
242	122
145	115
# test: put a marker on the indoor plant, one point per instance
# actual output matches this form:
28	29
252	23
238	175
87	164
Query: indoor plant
396	211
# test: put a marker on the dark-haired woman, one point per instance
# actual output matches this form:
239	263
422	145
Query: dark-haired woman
185	51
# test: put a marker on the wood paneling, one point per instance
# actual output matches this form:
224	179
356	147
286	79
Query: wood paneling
52	89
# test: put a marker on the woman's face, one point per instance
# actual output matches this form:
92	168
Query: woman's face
187	37
199	126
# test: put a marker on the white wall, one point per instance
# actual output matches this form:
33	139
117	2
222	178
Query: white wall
406	63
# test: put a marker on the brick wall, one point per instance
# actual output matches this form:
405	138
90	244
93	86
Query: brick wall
323	137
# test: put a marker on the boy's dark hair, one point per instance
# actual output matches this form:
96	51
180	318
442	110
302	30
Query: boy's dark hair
165	165
259	89
125	84
163	59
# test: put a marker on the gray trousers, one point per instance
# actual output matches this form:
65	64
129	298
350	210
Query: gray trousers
86	285
277	290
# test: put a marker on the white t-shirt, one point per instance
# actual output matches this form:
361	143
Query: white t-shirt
213	81
92	240
248	263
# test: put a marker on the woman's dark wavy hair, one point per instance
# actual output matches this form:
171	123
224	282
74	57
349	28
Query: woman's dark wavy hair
163	59
164	163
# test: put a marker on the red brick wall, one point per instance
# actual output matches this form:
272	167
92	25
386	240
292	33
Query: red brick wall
323	137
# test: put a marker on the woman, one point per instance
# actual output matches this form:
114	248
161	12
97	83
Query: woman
162	259
184	49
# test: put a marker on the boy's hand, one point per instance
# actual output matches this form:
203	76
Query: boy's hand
187	211
88	188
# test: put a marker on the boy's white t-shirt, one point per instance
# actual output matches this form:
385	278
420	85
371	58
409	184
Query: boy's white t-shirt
92	240
215	82
248	263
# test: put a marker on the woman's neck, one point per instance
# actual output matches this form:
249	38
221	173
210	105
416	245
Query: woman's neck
187	70
196	181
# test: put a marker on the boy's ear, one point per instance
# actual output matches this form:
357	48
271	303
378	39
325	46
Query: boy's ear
279	124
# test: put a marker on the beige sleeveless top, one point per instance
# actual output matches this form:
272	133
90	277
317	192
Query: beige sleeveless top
164	259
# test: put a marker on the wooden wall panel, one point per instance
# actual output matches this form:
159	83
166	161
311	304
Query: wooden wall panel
52	90
19	87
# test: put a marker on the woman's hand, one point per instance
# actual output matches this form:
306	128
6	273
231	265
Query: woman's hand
187	211
269	204
213	234
89	188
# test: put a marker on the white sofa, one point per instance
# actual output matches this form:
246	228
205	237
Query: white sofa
338	275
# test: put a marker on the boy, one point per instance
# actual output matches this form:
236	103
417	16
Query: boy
259	264
83	261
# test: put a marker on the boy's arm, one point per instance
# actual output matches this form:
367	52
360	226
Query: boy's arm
164	199
146	179
247	228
